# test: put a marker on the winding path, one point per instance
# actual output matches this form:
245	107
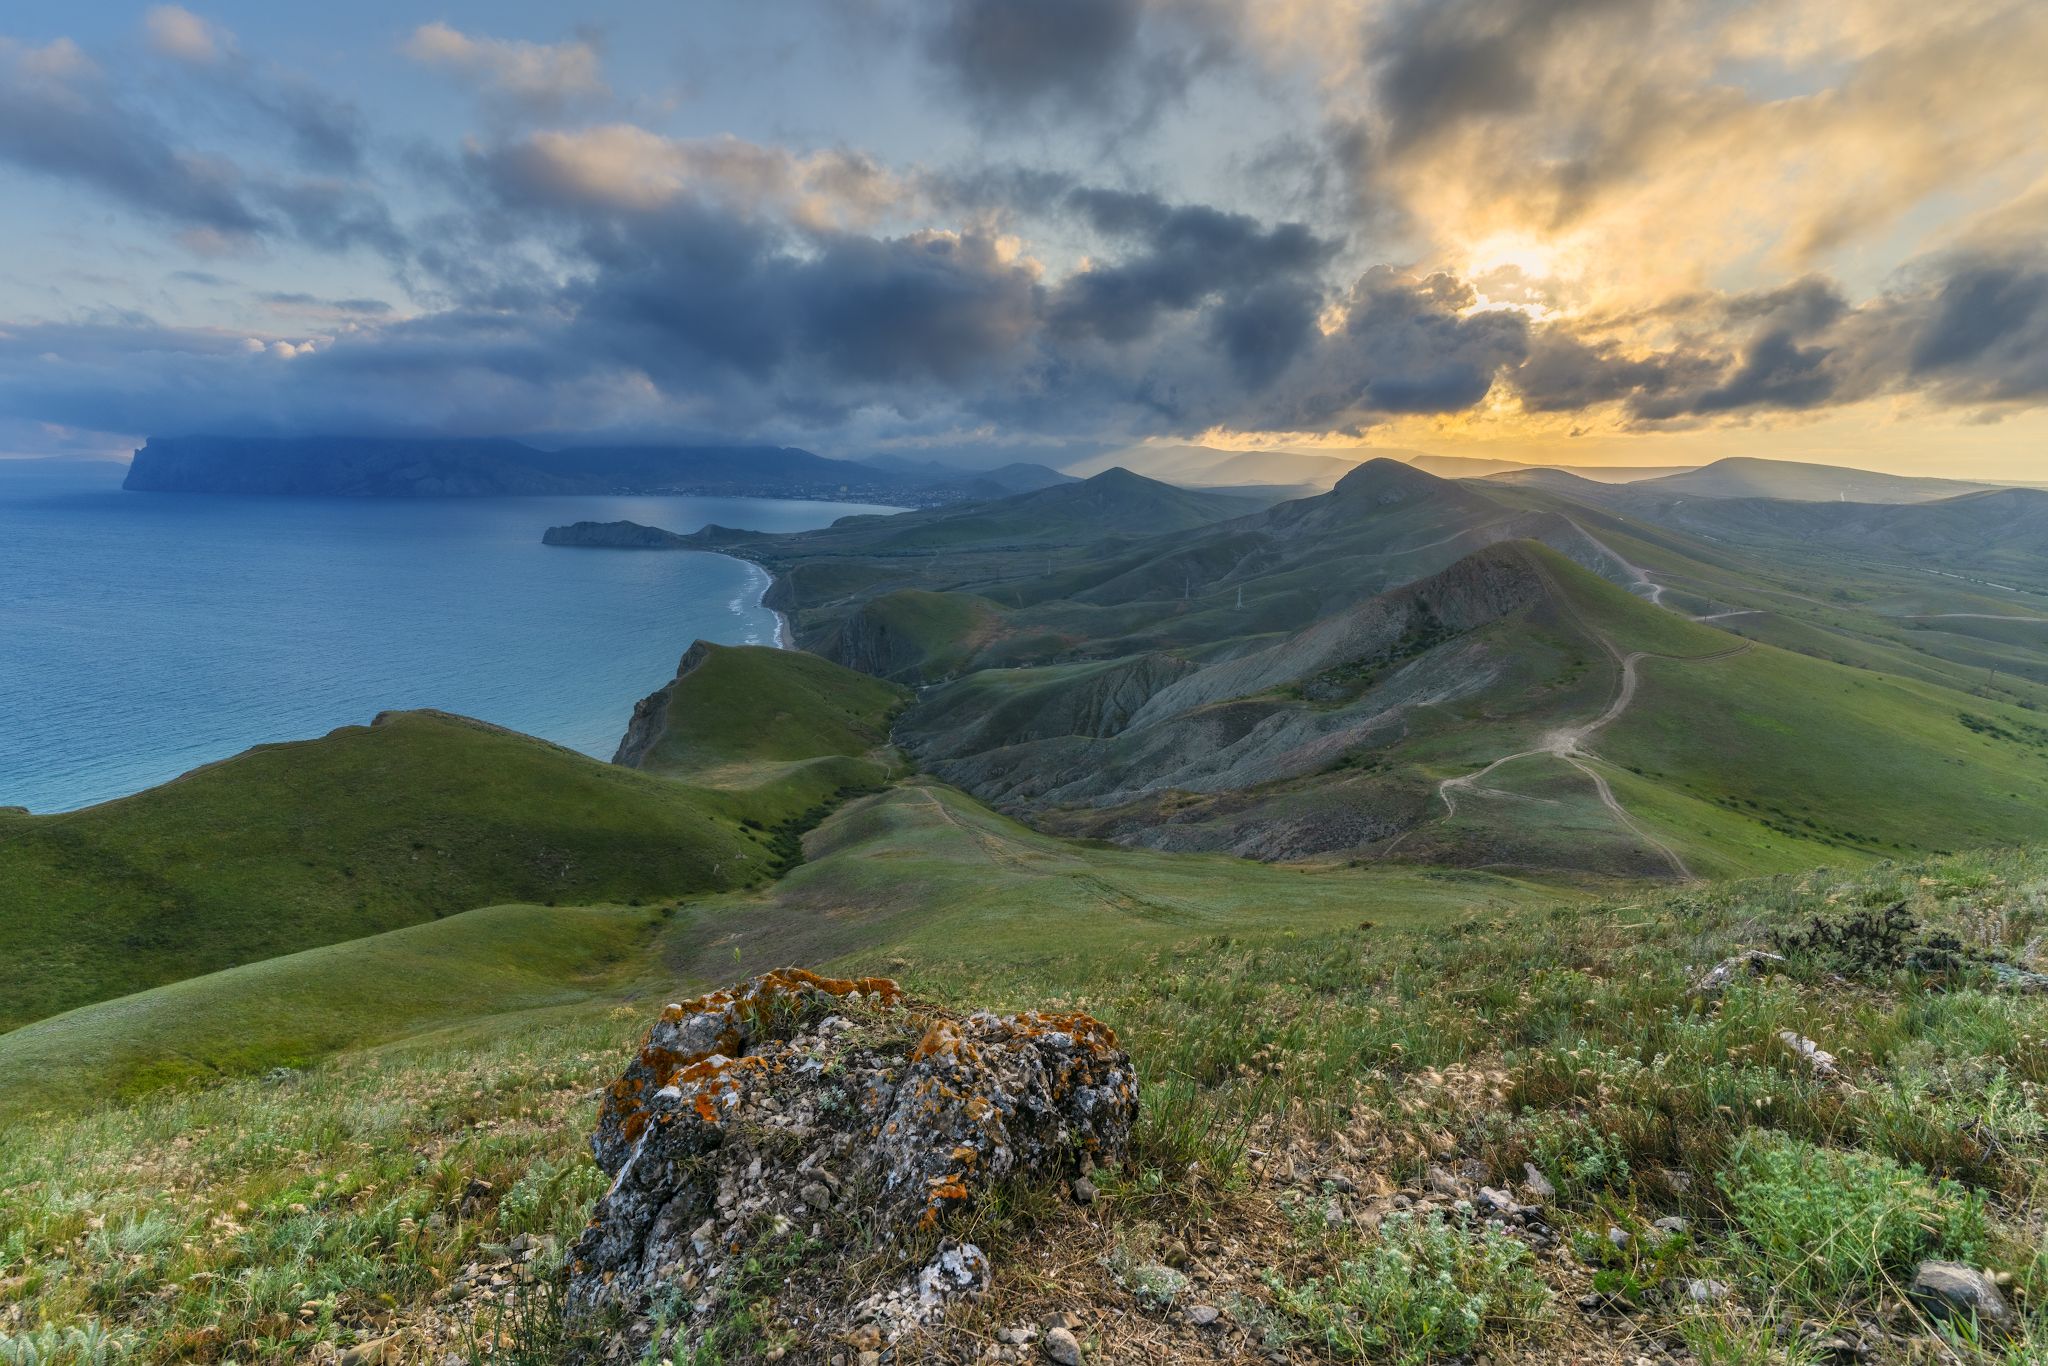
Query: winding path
1569	744
1642	578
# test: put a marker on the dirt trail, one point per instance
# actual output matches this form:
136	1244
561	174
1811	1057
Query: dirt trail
1569	745
991	847
1642	578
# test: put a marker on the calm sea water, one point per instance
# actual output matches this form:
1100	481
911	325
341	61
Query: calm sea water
142	634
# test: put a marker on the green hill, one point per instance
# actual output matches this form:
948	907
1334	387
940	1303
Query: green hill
294	1009
367	829
732	707
919	869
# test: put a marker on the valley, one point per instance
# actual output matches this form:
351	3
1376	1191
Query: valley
1391	827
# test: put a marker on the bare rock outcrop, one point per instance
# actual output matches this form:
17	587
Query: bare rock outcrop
835	1130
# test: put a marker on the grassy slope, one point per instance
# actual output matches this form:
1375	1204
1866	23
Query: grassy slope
288	1011
374	828
1485	1034
1757	761
368	829
747	704
1863	760
920	870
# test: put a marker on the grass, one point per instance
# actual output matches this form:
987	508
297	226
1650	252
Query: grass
1418	1291
289	1011
1475	1021
743	706
371	828
423	816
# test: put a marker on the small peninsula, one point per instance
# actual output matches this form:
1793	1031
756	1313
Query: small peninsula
614	536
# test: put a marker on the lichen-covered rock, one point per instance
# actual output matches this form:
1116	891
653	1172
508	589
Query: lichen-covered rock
811	1124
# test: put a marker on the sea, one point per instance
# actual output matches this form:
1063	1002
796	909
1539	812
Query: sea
144	634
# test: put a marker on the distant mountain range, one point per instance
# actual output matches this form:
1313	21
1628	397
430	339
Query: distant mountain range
1796	481
404	467
1208	467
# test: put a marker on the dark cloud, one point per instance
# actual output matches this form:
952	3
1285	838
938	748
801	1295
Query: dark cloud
60	118
1987	311
1105	59
1437	64
326	134
1263	329
1184	255
1960	330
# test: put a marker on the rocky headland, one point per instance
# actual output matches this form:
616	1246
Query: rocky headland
613	536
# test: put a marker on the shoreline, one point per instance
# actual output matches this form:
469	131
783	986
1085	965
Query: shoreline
784	638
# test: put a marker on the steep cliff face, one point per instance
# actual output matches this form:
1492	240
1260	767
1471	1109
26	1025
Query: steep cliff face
650	713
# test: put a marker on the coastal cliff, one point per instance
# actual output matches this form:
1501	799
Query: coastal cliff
650	713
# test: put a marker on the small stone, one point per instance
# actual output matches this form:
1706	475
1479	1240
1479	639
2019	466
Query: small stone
1496	1201
1338	1184
1617	1236
1748	963
1202	1315
1822	1062
1084	1191
1537	1184
1672	1223
817	1195
1060	1346
375	1352
1706	1291
1950	1290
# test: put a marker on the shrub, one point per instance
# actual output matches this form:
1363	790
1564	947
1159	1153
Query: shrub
1824	1222
1424	1290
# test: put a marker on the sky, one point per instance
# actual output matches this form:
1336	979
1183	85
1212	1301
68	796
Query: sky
1569	231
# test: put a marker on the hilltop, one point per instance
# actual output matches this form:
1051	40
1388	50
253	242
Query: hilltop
415	817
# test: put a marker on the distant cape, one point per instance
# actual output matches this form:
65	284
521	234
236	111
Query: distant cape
613	536
404	467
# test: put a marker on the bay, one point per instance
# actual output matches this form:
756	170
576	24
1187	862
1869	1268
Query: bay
144	634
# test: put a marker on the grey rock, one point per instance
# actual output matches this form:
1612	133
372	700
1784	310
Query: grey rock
2019	979
1706	1291
1537	1184
1748	963
1950	1290
1617	1236
1060	1346
741	1113
1084	1191
1202	1315
1822	1063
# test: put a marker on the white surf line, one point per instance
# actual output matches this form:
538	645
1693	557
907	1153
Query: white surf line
1642	576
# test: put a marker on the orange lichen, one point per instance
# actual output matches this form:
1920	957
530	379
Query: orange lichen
741	1007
